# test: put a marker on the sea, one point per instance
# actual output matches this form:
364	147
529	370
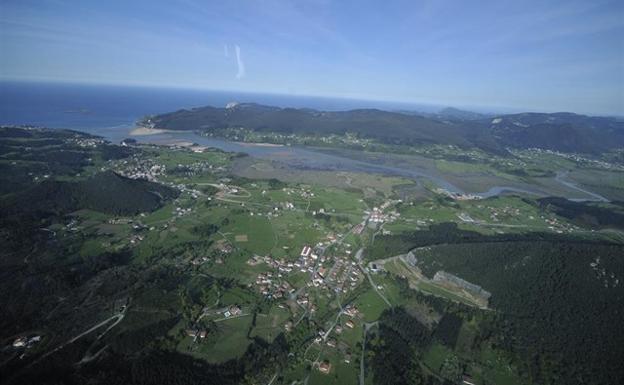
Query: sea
112	111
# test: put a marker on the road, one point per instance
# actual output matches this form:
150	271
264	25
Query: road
367	326
358	257
117	317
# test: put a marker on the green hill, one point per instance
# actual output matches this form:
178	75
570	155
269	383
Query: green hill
559	131
106	192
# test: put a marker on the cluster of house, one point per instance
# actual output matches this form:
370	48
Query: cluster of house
574	157
37	178
269	214
377	215
72	225
194	193
304	193
196	168
227	189
228	312
272	288
199	260
180	211
357	230
87	142
496	213
350	311
458	196
140	168
304	300
232	311
26	342
558	227
224	246
136	239
325	366
343	276
287	205
307	260
320	211
609	279
195	333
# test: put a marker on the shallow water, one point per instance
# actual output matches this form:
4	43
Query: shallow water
111	112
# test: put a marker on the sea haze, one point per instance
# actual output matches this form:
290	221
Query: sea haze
111	110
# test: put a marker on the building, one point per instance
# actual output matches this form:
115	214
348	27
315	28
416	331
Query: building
467	380
325	367
19	342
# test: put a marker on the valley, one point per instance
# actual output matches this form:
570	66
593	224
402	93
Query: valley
268	268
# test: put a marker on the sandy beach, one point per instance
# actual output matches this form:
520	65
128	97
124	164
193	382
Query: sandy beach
142	131
261	144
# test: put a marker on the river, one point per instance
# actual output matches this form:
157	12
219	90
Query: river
307	158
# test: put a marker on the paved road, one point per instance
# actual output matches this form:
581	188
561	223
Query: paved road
358	257
118	318
367	326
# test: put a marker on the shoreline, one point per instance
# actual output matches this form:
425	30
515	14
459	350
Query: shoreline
144	131
259	144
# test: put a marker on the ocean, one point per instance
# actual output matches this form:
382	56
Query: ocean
111	111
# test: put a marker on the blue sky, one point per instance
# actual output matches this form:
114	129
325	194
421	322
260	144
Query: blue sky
525	55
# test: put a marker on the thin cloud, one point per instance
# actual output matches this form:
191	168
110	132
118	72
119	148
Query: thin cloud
241	66
226	50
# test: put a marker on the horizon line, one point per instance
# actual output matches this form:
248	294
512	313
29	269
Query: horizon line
483	109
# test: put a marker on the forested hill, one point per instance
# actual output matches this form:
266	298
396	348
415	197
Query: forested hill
105	192
560	131
388	127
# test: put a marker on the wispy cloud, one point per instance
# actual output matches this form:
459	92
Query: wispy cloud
226	50
241	65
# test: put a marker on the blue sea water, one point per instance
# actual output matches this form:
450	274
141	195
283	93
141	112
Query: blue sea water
111	110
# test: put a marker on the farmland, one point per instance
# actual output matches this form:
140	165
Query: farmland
304	277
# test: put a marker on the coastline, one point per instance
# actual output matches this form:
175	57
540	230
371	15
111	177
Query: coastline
259	144
144	131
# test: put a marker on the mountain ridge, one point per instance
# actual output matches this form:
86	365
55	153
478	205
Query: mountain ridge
561	131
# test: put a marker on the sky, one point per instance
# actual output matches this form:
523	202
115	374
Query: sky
523	55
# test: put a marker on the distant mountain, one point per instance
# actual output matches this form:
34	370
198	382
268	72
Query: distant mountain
389	127
561	131
457	114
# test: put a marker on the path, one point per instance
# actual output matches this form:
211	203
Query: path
574	186
367	326
358	257
118	318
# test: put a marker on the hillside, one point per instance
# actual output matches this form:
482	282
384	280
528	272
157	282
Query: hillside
559	131
536	285
387	127
106	192
562	131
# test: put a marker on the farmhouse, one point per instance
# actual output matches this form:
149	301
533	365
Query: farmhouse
325	367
